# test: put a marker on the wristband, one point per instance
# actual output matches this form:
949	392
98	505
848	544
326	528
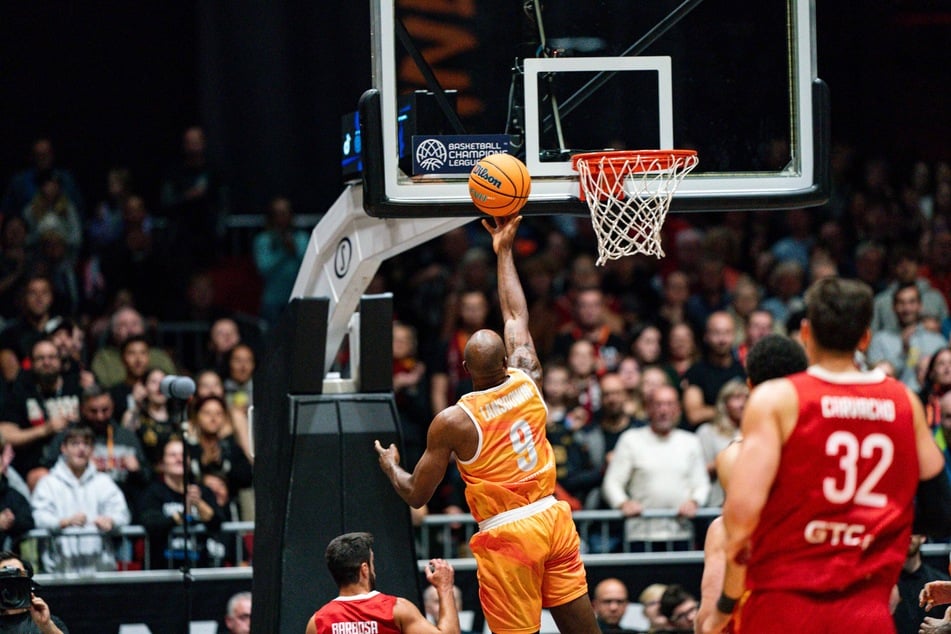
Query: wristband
726	604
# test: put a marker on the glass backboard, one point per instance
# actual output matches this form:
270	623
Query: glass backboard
544	80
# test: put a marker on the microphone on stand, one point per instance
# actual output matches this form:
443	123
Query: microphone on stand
180	387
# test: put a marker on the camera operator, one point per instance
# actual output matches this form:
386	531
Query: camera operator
21	611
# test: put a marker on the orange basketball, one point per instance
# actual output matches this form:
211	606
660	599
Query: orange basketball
499	184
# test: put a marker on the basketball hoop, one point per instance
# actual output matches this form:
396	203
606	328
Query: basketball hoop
628	194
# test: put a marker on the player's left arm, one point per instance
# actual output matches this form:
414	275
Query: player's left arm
518	339
933	499
417	488
711	583
769	406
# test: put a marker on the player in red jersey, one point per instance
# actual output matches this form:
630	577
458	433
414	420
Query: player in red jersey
821	501
527	548
360	608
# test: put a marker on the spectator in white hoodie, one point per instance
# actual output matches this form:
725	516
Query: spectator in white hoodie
76	495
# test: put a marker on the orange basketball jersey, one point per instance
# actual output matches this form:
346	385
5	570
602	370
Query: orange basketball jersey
514	464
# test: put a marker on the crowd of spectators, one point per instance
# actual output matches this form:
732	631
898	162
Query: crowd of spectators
84	287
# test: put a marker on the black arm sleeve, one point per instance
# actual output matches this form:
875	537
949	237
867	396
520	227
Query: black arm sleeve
933	506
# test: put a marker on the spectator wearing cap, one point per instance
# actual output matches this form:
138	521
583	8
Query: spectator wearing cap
70	341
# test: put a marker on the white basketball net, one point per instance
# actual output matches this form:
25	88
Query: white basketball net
628	196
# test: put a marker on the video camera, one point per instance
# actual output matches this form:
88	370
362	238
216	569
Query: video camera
15	588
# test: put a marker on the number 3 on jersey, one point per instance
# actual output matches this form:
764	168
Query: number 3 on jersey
524	445
846	446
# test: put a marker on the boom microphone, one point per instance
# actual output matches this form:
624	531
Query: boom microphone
182	387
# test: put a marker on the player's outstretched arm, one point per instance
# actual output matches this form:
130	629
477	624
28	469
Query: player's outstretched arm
933	498
411	621
442	439
518	339
711	583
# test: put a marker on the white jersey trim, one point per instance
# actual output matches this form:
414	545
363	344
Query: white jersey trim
519	513
845	378
358	597
475	423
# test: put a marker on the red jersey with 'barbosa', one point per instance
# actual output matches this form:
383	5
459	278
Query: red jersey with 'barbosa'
370	613
841	507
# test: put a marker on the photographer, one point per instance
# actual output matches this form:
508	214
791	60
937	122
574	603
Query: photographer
21	611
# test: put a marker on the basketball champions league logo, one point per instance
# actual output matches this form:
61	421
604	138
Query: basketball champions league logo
454	153
431	155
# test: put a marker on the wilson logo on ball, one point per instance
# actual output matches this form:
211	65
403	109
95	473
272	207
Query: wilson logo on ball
483	173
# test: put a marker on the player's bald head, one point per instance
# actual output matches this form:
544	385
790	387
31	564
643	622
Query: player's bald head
485	353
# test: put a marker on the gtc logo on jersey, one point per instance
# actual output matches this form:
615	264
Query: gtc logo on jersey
835	533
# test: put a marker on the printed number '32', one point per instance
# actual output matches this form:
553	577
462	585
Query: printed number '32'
845	445
524	445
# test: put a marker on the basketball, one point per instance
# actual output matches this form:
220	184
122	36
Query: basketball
499	184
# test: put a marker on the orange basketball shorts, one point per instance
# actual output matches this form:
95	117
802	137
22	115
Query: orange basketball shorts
526	565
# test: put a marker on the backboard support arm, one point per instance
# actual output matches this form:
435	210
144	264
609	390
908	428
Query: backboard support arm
345	251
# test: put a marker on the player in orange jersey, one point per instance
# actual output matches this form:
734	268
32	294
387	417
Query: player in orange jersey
527	547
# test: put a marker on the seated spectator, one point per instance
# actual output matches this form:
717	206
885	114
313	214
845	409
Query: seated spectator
592	321
935	382
905	264
209	383
903	350
583	365
116	451
52	210
610	603
722	430
908	615
24	184
208	452
222	337
41	404
76	494
431	608
18	336
630	372
16	515
135	360
647	344
150	419
16	260
238	614
718	365
238	379
650	599
574	474
163	507
680	608
70	340
682	352
107	365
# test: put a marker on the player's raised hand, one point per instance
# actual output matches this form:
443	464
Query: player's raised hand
439	572
502	230
935	593
388	456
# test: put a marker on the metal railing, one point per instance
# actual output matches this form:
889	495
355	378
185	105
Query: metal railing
127	535
449	531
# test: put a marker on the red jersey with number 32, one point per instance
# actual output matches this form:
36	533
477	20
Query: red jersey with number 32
841	506
514	464
370	613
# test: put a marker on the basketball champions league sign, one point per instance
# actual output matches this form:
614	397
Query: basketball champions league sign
454	153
